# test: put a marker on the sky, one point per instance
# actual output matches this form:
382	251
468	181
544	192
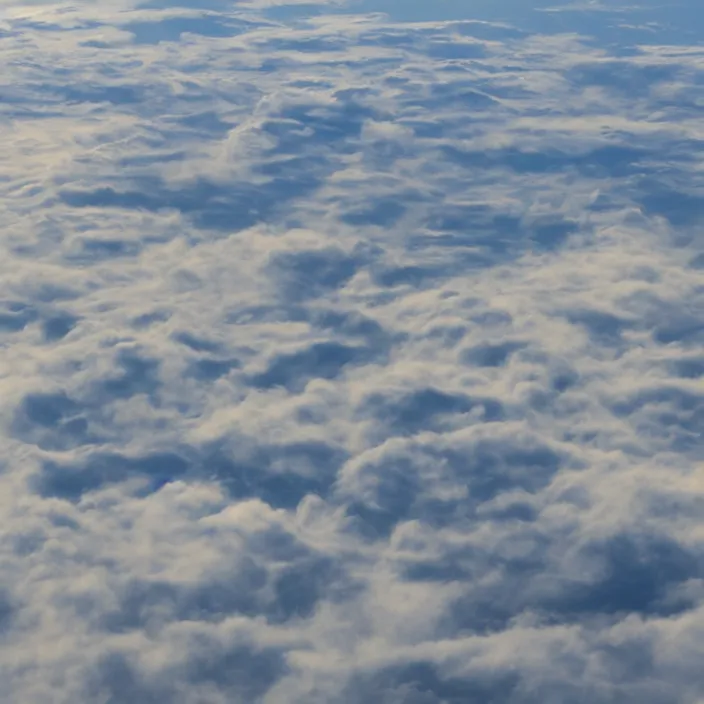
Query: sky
351	352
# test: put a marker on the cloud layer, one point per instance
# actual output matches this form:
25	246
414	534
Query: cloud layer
348	358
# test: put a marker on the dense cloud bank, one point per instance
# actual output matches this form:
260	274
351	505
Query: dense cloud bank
351	359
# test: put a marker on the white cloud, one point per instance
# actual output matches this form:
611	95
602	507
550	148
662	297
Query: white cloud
348	359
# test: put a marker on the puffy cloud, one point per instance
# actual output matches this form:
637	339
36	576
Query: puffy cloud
350	356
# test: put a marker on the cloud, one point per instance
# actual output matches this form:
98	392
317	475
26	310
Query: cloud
350	352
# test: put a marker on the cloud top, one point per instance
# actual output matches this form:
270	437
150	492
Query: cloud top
351	352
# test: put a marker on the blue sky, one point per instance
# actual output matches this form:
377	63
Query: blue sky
351	352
